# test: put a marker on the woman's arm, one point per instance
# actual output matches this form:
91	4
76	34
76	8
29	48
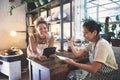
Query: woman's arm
32	49
51	42
76	53
32	46
94	67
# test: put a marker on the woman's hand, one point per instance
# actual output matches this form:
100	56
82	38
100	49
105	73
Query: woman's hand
52	39
41	57
69	40
70	61
51	42
52	56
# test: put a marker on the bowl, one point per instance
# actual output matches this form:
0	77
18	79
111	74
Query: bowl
11	52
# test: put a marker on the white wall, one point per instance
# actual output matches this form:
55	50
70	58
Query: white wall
8	23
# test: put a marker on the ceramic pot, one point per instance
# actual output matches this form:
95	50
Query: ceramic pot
30	6
50	0
64	15
37	4
49	18
55	16
42	2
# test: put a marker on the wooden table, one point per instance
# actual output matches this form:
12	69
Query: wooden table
115	42
51	69
11	66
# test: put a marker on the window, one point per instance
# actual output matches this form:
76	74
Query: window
100	9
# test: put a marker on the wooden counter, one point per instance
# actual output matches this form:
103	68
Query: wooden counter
51	69
115	42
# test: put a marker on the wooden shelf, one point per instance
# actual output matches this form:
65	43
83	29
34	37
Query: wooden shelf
58	21
115	22
115	42
31	15
31	25
52	4
53	22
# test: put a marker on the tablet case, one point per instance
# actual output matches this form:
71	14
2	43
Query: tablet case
48	51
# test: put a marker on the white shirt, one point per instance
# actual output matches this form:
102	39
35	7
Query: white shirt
102	53
40	47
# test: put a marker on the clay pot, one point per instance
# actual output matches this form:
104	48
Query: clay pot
64	15
49	18
42	2
50	0
55	16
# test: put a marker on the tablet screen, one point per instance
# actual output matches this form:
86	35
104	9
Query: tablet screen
48	51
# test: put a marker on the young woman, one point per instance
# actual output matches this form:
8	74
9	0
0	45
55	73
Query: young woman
101	56
40	40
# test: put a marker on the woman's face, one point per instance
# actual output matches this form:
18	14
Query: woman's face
42	29
90	36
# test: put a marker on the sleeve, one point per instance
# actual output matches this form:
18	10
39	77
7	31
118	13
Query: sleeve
101	52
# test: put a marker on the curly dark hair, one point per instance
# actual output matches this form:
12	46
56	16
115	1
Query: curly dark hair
40	21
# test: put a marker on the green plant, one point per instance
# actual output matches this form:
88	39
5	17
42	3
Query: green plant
85	42
85	19
113	27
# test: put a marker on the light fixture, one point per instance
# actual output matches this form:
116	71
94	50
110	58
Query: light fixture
13	33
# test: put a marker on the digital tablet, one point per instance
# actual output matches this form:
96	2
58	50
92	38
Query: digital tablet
48	51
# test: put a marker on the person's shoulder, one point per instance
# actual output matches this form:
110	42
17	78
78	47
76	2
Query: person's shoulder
102	41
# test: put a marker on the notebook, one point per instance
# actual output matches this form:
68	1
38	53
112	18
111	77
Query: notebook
61	57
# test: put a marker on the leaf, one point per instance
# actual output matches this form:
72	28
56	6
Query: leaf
113	27
11	9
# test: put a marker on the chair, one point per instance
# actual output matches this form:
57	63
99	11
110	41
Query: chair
106	36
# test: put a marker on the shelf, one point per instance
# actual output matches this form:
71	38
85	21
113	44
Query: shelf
33	14
52	4
31	25
58	21
115	22
115	42
53	22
